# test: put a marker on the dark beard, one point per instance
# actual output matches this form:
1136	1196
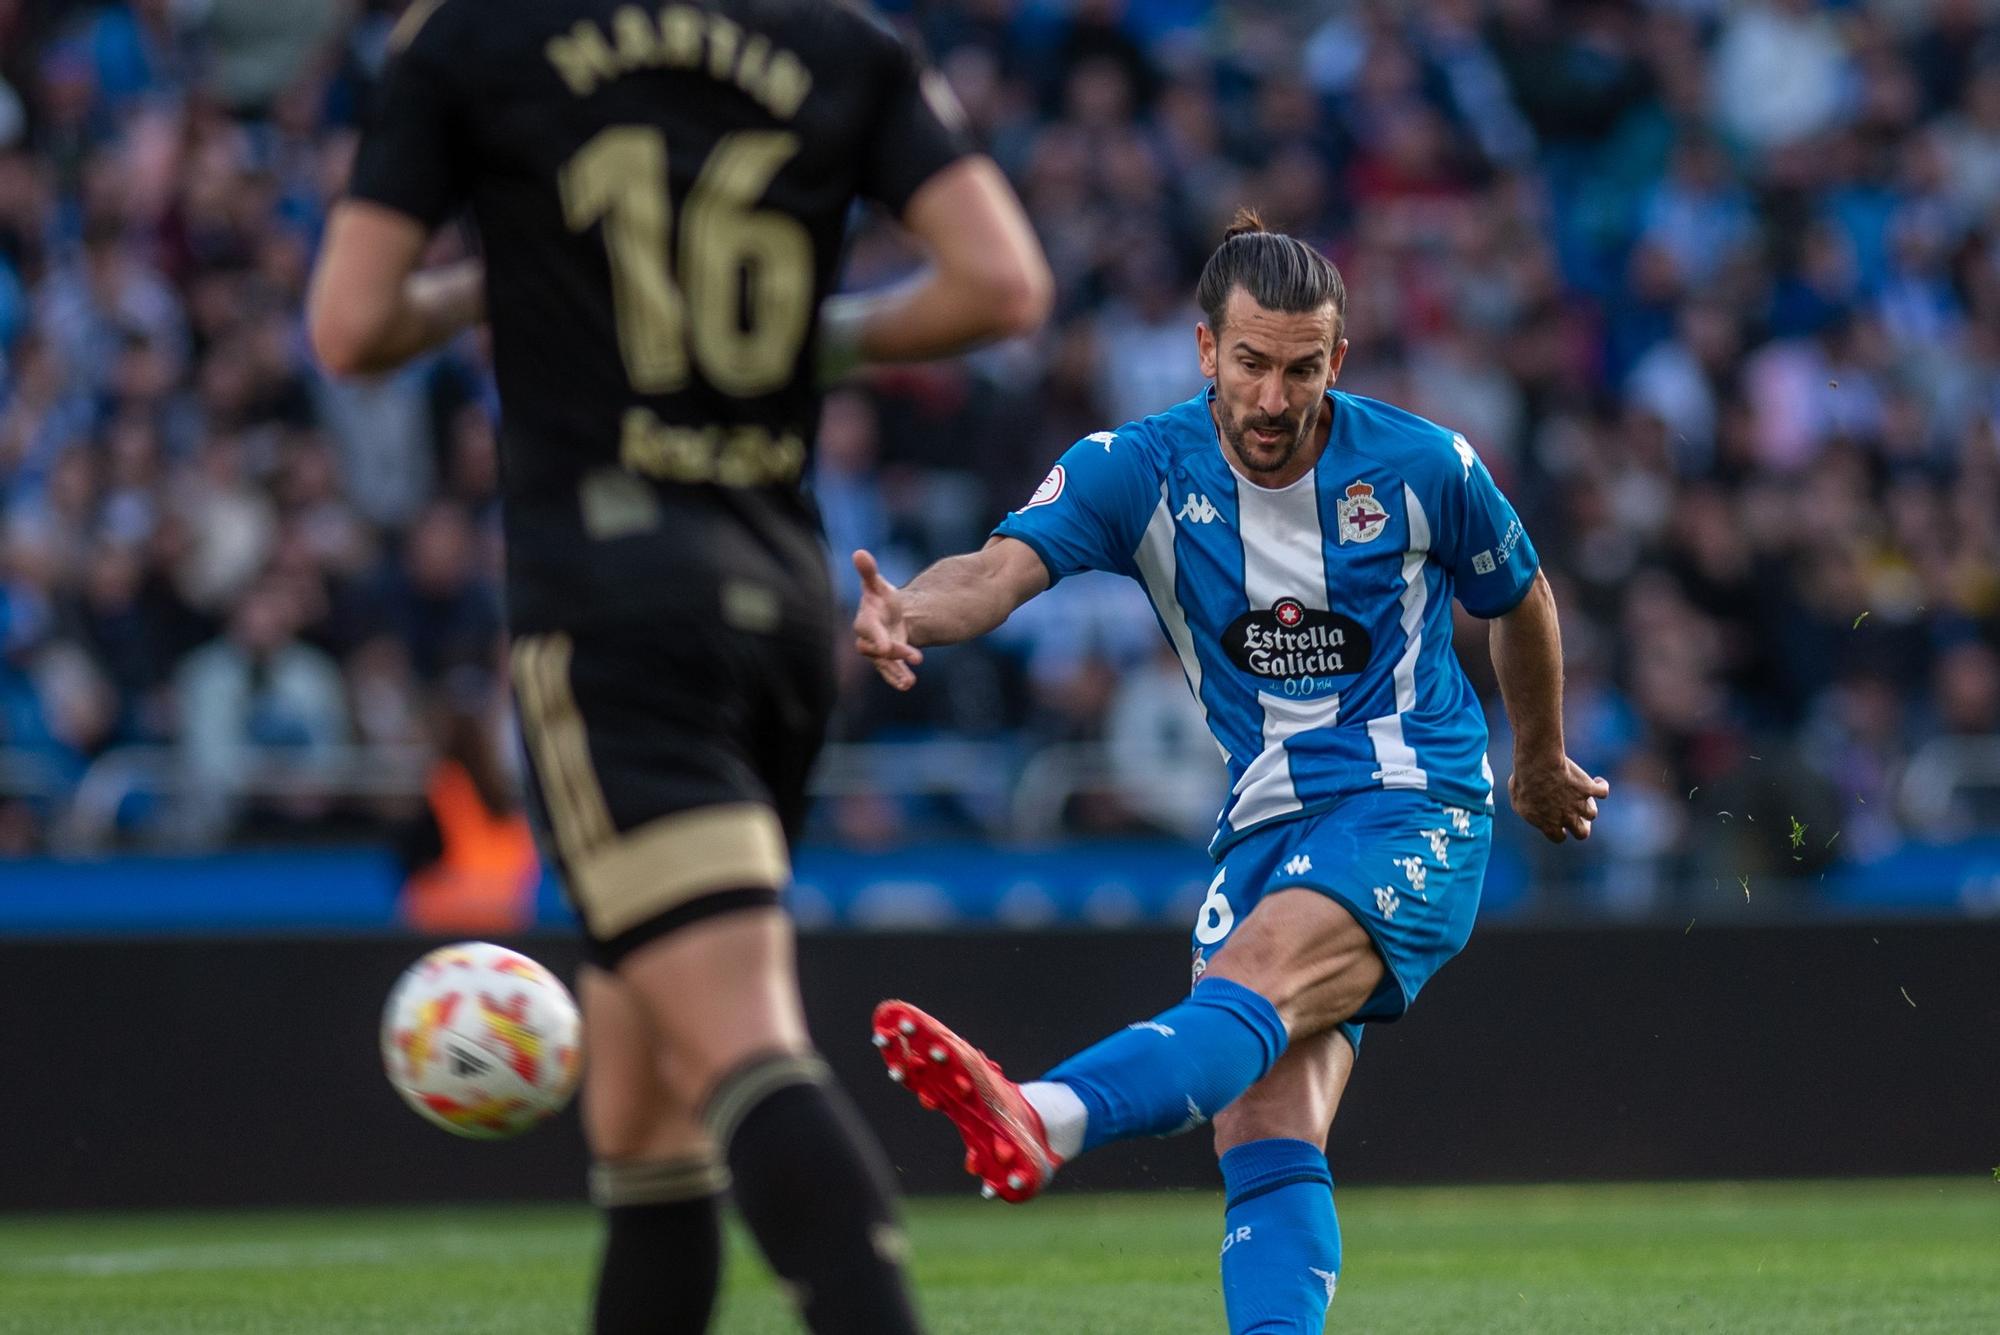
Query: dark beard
1238	434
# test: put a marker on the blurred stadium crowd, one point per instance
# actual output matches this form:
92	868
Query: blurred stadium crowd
1714	287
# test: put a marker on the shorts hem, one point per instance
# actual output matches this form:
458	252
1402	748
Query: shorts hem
610	952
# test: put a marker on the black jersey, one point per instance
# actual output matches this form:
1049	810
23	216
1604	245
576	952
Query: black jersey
660	192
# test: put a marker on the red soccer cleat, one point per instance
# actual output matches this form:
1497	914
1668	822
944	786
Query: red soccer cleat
1005	1145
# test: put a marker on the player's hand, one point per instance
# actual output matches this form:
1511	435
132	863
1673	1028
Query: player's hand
881	629
1559	798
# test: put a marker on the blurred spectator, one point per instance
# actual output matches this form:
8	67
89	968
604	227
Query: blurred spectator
260	47
258	691
1163	760
848	489
226	523
1967	691
1144	334
437	600
1779	71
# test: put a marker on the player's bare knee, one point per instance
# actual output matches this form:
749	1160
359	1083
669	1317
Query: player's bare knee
1296	1101
630	1111
1254	1118
719	992
693	1078
665	1132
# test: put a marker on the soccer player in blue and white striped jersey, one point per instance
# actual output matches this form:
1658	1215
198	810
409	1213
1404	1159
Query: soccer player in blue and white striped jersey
1302	548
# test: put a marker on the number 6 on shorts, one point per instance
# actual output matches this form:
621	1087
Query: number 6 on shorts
1216	916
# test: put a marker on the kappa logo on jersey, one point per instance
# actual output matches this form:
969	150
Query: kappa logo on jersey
1362	518
1328	1278
1466	457
1293	640
1386	902
1104	438
1164	1030
1414	868
1051	489
1299	865
1198	510
1461	820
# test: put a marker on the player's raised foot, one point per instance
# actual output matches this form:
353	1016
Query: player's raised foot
1005	1145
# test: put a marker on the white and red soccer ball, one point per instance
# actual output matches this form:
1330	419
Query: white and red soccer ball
482	1040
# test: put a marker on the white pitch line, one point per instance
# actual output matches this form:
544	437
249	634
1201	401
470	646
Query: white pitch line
289	1255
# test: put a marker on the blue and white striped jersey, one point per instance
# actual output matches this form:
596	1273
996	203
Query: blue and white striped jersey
1313	621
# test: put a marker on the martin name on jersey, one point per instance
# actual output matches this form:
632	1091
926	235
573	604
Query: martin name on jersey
1313	621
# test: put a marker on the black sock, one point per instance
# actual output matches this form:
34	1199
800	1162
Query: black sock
815	1190
662	1259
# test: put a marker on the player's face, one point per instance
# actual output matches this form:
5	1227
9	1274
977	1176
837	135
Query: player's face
1271	371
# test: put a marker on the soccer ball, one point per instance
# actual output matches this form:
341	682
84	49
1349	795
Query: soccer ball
482	1040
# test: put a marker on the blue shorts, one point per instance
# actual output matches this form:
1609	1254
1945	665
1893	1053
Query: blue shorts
1408	867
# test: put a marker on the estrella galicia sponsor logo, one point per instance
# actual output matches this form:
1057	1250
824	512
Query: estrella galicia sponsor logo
1292	640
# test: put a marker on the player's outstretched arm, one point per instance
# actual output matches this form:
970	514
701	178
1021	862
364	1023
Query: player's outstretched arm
1549	790
987	278
959	598
370	309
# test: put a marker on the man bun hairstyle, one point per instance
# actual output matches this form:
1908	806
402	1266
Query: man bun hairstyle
1246	221
1281	273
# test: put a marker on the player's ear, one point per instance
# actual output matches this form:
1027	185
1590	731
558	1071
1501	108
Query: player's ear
1333	362
1204	341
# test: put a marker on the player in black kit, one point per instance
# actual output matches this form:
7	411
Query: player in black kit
660	192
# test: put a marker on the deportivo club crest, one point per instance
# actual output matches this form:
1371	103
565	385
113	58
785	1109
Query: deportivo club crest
1288	611
1361	518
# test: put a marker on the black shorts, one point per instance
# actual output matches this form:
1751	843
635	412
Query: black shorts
670	763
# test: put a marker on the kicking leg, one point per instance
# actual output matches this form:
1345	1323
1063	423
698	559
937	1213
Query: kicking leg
1281	1238
808	1177
653	1173
1296	965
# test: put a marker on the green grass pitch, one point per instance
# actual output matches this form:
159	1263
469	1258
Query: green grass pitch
1877	1257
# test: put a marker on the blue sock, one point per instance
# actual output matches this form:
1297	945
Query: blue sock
1281	1240
1177	1070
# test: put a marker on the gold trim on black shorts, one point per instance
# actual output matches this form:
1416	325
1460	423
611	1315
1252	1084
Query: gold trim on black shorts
624	883
554	728
669	861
